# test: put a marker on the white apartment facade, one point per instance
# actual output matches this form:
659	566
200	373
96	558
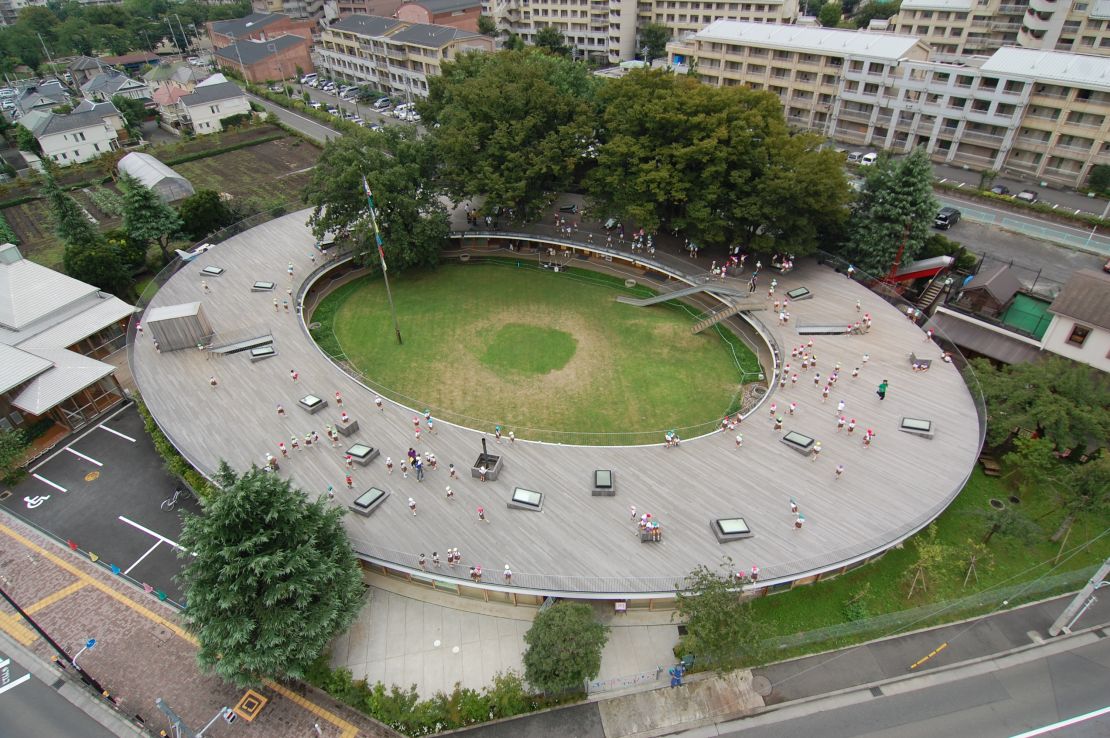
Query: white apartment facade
1039	114
391	55
956	28
609	29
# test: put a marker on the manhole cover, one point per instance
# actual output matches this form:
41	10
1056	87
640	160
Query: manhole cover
162	634
761	685
1015	500
996	503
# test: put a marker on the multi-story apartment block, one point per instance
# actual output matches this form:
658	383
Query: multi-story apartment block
609	29
391	55
955	28
1041	114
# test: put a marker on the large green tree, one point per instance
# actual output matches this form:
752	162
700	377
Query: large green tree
653	41
1065	402
551	39
718	164
204	212
102	264
563	647
133	112
147	219
512	126
894	214
829	15
270	578
401	167
720	627
71	222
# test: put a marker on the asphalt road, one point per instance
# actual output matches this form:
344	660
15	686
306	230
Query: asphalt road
30	708
1006	702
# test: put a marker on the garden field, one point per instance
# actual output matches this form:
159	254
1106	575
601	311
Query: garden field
530	349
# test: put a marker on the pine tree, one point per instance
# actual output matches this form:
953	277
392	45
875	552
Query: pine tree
273	578
147	219
71	223
895	211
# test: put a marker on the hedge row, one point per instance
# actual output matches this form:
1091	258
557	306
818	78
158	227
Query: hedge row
7	235
404	711
175	463
224	149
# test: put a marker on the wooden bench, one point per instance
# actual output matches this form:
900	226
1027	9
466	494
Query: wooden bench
990	465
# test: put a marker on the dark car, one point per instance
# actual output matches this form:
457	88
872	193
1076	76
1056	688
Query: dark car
1000	190
946	218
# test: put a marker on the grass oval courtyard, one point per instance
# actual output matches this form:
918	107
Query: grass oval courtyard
534	350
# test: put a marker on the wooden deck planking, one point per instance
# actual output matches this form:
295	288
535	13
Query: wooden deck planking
580	542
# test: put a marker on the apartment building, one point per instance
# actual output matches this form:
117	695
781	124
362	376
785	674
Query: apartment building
257	27
391	55
455	13
609	29
956	28
1039	114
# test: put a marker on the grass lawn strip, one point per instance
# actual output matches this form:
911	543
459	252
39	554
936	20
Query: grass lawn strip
632	368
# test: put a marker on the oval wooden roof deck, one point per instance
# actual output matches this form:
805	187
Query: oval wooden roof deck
580	544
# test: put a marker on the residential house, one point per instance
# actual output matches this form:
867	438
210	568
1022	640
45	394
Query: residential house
41	97
90	130
84	68
109	83
206	107
133	62
391	55
1080	327
462	14
54	332
278	58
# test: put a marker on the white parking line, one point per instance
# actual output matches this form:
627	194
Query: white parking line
44	480
86	458
126	438
14	683
139	560
43	461
150	533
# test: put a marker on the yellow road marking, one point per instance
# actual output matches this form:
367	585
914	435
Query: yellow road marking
51	599
12	627
349	730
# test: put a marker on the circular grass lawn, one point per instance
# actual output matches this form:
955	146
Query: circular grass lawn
532	350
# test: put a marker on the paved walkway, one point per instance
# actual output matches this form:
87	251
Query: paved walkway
142	650
410	635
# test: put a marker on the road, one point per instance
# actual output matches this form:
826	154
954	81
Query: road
29	708
314	129
1005	702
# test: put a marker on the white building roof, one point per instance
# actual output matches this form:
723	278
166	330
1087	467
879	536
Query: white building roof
29	292
71	373
1100	9
152	173
16	366
829	41
1075	70
84	324
963	6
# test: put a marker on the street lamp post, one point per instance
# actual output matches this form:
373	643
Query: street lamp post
88	645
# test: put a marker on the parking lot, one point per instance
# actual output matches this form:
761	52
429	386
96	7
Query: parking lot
103	491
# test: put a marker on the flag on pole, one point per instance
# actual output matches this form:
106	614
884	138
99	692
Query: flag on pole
374	220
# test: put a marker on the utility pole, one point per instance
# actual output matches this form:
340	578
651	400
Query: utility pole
381	254
184	38
1083	599
46	50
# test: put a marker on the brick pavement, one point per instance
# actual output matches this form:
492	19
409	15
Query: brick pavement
142	650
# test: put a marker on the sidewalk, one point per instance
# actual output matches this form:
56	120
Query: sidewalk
710	699
142	651
409	634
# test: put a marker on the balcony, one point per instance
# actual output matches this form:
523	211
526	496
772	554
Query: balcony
1012	9
1083	151
1094	125
858	115
1032	22
1031	141
973	159
1044	6
981	137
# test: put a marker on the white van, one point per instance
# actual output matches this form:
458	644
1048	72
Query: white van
309	78
868	159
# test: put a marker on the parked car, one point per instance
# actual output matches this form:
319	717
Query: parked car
868	159
309	78
377	127
855	156
382	103
333	111
276	88
195	61
946	218
1000	190
1029	196
316	104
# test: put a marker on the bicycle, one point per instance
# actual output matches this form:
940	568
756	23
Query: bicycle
169	504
